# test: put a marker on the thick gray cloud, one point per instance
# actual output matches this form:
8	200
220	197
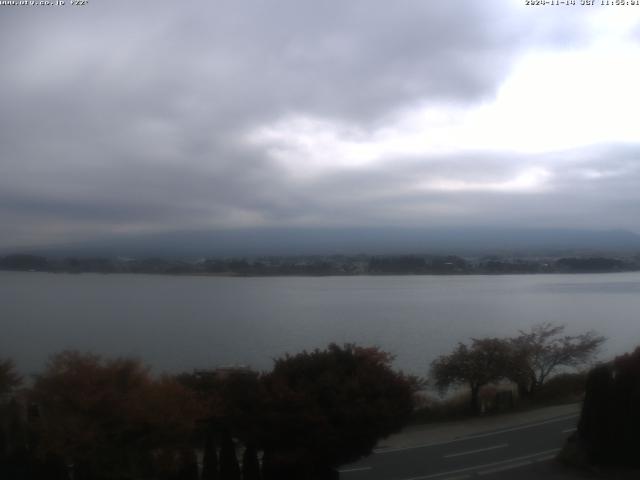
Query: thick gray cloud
134	116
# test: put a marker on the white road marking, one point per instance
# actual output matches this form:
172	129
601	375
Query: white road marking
380	451
567	430
545	458
469	452
522	427
357	469
511	466
513	463
504	468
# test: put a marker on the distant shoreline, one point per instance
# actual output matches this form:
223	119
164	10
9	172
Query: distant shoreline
324	266
238	275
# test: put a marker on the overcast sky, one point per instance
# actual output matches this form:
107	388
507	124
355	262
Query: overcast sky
140	116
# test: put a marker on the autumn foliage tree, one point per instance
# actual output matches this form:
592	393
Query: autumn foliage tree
12	431
329	407
484	361
9	378
234	400
111	418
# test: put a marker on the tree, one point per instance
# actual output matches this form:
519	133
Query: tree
24	262
210	458
607	432
229	467
543	350
188	465
487	360
329	407
9	378
108	417
234	400
250	463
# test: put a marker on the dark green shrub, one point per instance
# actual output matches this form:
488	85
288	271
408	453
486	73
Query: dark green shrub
610	416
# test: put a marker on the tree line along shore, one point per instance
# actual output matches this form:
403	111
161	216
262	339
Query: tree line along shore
326	265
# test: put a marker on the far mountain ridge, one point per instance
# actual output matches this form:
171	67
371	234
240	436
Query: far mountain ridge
252	242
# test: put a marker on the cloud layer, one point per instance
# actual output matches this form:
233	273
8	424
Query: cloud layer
124	117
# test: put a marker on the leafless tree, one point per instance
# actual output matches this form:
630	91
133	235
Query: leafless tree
544	349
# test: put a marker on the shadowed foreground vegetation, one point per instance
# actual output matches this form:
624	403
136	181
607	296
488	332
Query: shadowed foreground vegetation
607	434
90	418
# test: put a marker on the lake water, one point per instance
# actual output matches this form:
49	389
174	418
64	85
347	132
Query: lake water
177	323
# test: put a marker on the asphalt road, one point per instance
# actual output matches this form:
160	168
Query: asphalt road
486	455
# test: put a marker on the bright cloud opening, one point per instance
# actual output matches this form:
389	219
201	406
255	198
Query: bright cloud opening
530	180
552	101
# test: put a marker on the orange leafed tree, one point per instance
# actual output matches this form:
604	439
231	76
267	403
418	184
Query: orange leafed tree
111	417
329	407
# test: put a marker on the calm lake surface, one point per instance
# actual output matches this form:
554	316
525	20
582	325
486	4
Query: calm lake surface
180	323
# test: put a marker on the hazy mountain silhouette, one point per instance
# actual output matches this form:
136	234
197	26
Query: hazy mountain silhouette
324	241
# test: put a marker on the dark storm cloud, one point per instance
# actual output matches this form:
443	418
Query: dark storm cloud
131	115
